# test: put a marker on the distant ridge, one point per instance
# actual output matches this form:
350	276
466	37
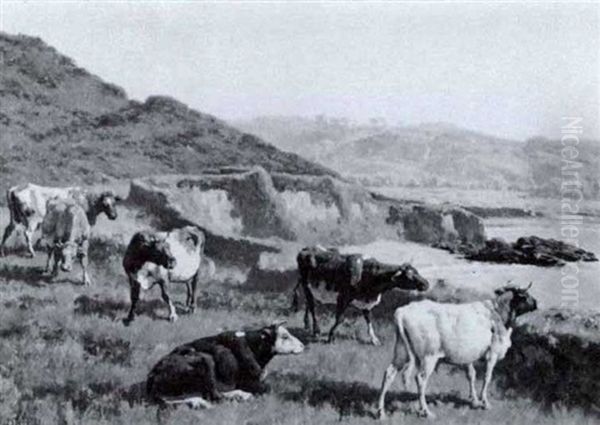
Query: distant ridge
429	155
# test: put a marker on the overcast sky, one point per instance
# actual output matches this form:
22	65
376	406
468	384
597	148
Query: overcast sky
504	68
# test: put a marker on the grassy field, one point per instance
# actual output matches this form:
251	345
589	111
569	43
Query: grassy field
67	358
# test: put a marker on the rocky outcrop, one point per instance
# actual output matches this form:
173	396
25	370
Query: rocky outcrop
528	250
554	358
445	224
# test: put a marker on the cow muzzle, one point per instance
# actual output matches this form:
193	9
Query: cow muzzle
171	263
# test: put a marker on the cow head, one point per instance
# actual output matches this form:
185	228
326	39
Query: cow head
407	277
160	253
518	300
283	342
106	204
65	253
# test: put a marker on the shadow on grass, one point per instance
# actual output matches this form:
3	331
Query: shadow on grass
113	309
33	276
349	398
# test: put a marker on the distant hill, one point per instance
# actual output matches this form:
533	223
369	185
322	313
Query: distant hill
428	155
59	124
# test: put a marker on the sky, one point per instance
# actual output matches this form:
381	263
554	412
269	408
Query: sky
508	69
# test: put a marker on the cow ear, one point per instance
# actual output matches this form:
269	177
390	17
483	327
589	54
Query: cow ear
194	238
118	198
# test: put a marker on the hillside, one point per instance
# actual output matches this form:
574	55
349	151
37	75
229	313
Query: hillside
428	155
59	124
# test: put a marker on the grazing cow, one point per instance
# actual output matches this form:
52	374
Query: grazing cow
343	280
224	366
66	232
159	258
427	331
27	207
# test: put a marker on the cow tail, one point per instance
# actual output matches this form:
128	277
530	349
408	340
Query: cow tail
402	337
13	206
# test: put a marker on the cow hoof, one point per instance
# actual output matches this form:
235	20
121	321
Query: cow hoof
376	342
425	413
476	404
486	405
173	318
381	414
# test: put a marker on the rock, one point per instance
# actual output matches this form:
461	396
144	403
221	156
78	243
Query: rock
444	225
528	250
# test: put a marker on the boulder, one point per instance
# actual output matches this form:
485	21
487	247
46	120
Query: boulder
444	224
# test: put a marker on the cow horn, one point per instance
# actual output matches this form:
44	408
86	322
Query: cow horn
529	287
278	323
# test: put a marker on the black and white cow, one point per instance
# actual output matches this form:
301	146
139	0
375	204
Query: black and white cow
334	278
158	258
224	366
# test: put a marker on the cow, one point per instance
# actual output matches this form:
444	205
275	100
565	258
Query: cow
230	365
27	207
66	233
460	334
344	280
159	258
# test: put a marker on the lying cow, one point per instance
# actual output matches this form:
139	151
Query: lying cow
344	280
224	366
27	207
427	331
66	233
157	258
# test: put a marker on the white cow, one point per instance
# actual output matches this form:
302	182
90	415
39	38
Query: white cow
428	331
66	232
27	207
159	258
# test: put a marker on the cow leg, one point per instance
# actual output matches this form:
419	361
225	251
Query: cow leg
398	361
56	261
295	300
49	260
489	368
472	376
427	368
367	315
167	299
83	260
134	288
29	240
7	232
340	308
388	379
193	284
310	307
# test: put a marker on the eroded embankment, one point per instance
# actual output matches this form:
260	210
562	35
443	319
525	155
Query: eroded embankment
248	211
554	358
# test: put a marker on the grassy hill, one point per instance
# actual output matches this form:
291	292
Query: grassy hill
59	124
429	155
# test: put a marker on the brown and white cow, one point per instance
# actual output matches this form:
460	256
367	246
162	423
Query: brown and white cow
66	232
158	258
27	207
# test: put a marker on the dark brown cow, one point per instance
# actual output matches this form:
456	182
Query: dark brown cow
344	280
